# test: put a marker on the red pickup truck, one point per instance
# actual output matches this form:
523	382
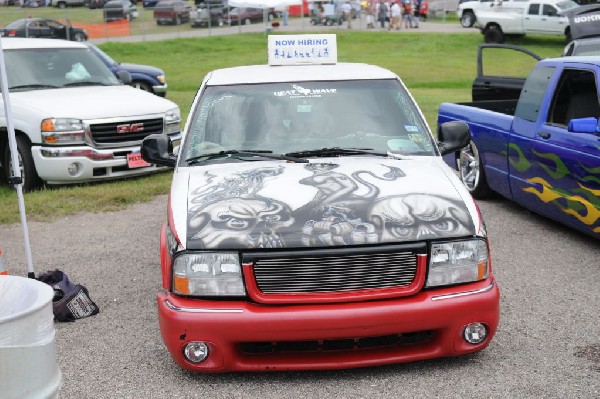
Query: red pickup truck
173	12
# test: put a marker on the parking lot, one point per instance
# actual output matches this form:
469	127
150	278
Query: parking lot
547	344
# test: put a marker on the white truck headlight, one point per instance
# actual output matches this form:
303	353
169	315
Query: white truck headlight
62	131
173	121
458	262
208	274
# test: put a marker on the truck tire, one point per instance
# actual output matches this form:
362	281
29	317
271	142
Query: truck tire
178	20
472	173
493	34
468	19
62	4
31	180
247	21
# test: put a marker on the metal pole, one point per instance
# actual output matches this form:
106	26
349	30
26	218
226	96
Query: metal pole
16	179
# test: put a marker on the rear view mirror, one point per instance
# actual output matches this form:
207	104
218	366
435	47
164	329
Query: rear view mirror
157	149
584	125
124	76
453	136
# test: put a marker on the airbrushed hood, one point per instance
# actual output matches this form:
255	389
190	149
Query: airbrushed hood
328	202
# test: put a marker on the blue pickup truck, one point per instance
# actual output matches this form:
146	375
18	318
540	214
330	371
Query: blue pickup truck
542	149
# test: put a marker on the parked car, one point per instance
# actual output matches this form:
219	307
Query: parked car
208	12
467	10
67	3
246	15
44	28
144	77
544	17
76	121
96	4
172	12
540	150
116	10
312	223
149	3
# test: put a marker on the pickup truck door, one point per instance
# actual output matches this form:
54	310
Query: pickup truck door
492	81
544	18
560	176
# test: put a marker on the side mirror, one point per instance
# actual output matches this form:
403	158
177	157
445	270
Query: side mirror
157	149
584	125
452	136
124	76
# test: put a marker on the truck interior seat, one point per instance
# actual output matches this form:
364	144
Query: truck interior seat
583	105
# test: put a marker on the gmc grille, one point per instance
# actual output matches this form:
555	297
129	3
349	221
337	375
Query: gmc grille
116	132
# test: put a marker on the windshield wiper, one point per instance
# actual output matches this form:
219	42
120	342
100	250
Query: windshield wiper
85	84
337	151
238	153
33	86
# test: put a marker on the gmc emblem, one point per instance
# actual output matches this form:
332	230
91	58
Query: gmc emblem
130	128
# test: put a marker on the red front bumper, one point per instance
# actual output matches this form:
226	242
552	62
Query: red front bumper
228	327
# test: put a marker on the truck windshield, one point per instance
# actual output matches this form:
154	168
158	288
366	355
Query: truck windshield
292	117
29	69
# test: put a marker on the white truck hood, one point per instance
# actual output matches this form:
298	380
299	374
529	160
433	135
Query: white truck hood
91	102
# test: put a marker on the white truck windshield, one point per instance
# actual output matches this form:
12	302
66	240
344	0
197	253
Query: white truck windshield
290	117
31	69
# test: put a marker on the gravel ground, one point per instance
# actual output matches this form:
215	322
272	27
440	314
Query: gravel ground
547	345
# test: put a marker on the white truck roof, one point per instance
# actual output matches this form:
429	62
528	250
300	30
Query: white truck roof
294	73
11	43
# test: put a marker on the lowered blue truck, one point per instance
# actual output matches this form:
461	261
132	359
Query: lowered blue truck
542	149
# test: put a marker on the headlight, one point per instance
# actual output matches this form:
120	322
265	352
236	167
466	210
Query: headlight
208	274
173	121
458	262
161	78
62	131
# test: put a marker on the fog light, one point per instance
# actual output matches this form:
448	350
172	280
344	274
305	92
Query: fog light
73	169
475	333
196	352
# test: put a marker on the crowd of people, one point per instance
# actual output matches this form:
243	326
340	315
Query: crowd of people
390	14
396	14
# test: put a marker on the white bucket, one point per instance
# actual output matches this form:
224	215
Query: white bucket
28	366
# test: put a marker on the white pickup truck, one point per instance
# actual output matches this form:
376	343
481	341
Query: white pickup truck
74	120
538	17
468	10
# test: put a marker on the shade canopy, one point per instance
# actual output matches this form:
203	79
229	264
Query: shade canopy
263	3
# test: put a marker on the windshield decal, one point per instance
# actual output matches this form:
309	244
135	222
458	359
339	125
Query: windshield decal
298	91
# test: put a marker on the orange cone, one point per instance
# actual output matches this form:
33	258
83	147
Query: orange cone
3	270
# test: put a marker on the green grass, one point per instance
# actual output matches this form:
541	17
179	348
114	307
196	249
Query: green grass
435	67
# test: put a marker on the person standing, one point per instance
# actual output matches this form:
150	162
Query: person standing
406	14
416	12
347	9
382	13
396	14
370	11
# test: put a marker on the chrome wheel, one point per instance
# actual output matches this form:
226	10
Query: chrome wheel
472	172
469	166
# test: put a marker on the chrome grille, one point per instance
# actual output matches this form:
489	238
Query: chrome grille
108	133
335	273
